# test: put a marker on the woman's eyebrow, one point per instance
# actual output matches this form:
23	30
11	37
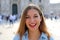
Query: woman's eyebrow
35	14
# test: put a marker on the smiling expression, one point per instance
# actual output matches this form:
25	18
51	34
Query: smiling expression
33	19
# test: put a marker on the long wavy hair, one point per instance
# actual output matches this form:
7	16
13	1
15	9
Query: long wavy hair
22	27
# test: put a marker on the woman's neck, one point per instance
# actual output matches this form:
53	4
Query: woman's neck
34	35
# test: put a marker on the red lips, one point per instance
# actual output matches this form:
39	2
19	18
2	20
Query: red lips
32	25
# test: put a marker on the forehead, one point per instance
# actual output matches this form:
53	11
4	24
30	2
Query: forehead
32	11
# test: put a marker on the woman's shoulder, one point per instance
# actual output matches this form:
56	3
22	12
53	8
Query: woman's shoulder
51	38
25	37
45	37
16	37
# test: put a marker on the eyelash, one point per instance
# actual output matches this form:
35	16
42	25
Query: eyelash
34	17
27	17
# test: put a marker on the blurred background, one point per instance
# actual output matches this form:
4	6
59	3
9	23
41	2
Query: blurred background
11	10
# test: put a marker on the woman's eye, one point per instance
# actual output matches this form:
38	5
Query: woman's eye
27	17
35	16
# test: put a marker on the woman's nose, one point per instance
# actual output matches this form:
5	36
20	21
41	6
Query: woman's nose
32	20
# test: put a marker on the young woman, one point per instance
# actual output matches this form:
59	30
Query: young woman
32	25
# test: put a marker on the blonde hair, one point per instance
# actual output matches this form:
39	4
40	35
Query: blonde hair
22	27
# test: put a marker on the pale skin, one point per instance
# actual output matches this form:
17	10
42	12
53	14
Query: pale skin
33	20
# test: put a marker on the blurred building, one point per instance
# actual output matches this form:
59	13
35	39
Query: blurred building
8	7
55	9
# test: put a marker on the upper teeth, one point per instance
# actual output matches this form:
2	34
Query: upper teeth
32	24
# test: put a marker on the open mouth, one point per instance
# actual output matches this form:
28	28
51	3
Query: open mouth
32	25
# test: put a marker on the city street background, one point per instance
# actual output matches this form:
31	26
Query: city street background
11	10
8	31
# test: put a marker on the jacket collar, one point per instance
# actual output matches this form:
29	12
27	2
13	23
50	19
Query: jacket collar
42	37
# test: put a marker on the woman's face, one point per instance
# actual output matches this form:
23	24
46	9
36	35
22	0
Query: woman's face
33	19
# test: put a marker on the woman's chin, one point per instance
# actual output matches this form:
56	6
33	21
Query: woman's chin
33	29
